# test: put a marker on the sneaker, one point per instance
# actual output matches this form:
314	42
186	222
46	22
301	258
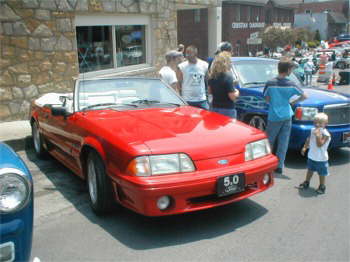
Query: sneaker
304	185
321	189
278	170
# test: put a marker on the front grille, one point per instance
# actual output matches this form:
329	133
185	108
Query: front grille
338	114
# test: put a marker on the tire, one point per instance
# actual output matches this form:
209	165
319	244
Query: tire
99	185
38	141
258	122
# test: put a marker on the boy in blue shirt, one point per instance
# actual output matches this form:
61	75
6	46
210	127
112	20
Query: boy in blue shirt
277	93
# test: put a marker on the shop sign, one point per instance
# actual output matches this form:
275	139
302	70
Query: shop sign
287	25
247	25
254	41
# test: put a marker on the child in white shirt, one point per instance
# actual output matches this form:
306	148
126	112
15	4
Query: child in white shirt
318	143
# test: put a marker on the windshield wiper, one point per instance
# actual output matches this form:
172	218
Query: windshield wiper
145	101
107	104
148	102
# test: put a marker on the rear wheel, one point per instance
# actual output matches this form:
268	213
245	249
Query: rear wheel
38	141
258	122
99	185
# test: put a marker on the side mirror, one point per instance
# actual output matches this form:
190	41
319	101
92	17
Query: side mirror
59	111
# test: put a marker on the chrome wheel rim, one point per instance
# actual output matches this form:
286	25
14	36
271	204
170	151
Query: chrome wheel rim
258	122
36	138
92	181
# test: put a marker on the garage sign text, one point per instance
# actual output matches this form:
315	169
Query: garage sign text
247	25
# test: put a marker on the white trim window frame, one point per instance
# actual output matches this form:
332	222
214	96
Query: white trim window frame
115	21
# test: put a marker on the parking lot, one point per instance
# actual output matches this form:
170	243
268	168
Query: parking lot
281	224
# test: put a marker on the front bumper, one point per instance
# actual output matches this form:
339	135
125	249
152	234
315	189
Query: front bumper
300	132
192	191
15	245
16	231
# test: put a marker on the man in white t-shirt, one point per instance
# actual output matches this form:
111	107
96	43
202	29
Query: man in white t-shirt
168	73
192	77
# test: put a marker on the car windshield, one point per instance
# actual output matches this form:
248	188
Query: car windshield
125	93
254	72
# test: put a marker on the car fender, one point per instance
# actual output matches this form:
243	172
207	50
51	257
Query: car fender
95	144
34	113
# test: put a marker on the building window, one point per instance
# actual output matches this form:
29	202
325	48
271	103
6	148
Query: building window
130	45
249	10
94	48
197	16
104	44
307	11
260	14
238	13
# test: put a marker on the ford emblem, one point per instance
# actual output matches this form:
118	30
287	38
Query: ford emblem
223	162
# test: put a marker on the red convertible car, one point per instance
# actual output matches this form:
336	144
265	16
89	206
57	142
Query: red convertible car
137	143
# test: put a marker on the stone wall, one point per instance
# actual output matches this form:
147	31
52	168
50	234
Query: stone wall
38	44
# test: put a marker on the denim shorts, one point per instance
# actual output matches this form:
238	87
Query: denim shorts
321	167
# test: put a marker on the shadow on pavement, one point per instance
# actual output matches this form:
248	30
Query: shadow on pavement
339	156
307	193
20	144
281	176
142	233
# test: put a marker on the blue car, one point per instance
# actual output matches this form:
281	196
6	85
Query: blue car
16	207
253	72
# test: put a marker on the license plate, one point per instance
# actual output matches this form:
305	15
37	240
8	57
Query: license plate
230	184
346	137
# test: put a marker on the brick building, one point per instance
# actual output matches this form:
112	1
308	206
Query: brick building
244	20
240	22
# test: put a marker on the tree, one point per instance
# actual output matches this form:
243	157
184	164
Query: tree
303	34
274	37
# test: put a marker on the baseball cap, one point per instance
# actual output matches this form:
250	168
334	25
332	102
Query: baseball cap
225	46
172	54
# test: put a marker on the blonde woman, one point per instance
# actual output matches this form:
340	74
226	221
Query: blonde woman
222	86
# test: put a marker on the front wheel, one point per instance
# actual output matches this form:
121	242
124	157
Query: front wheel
258	122
38	141
99	185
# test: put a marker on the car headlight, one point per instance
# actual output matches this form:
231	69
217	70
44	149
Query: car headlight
160	165
257	149
15	190
305	113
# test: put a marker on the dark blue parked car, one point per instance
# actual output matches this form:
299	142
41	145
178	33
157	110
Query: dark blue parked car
16	207
253	73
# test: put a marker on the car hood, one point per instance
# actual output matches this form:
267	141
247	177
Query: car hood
320	97
199	133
